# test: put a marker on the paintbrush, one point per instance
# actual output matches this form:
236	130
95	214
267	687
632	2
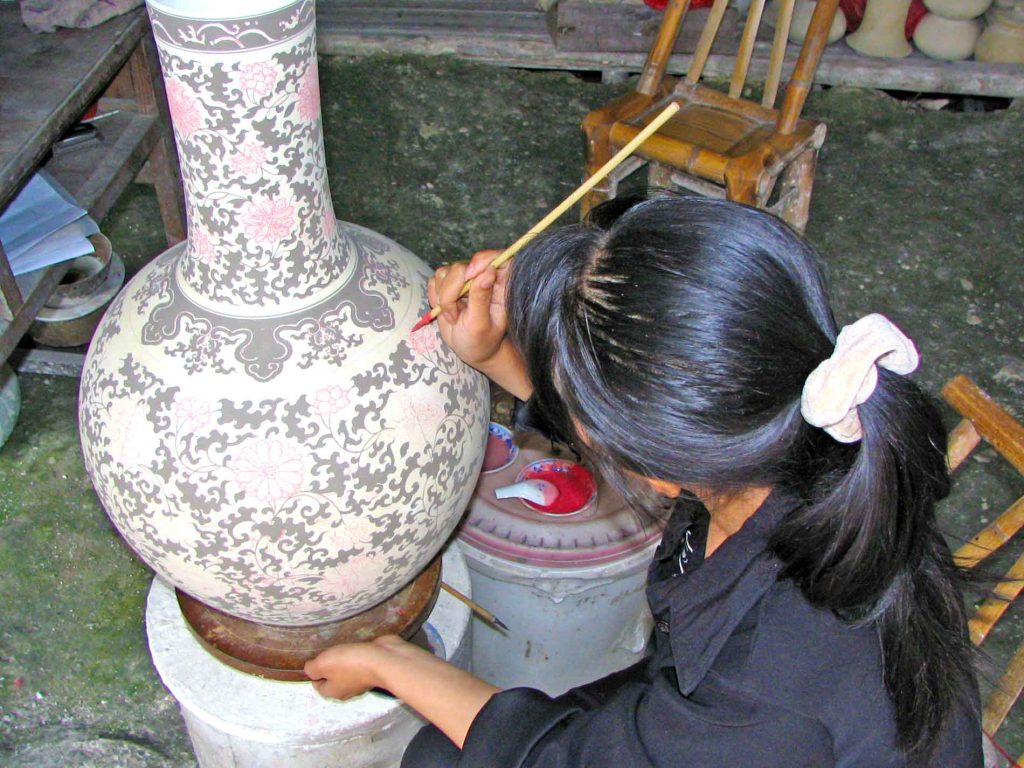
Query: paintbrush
566	204
476	608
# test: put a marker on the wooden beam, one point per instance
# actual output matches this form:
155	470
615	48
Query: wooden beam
840	64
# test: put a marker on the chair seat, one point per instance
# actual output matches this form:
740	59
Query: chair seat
709	132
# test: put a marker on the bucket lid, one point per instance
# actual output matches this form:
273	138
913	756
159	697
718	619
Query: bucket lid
604	532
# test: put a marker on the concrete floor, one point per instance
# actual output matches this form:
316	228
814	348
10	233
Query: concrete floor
918	214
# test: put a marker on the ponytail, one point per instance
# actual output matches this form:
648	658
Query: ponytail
867	547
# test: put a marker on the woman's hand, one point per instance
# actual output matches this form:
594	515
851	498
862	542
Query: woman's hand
473	326
444	694
344	671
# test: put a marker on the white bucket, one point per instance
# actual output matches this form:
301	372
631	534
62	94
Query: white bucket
236	720
571	588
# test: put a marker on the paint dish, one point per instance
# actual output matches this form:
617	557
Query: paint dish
501	449
576	486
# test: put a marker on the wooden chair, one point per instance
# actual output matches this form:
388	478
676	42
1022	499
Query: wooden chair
720	145
984	419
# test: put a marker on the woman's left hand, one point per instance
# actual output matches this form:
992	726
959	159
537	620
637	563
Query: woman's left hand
344	671
444	694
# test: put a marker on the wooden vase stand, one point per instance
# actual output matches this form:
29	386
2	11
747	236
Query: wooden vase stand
279	653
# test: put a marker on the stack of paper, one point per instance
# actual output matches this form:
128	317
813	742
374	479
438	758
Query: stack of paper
43	226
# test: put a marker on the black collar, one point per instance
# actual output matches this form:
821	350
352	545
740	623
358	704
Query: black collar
705	606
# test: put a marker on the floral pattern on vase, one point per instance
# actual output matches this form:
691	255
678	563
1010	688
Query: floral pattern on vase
256	419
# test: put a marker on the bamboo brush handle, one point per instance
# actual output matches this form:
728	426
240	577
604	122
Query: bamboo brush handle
575	197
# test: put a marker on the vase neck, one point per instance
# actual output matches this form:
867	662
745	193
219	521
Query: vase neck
244	99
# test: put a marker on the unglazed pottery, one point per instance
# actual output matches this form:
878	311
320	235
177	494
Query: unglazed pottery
1002	41
802	12
958	9
257	420
881	31
948	39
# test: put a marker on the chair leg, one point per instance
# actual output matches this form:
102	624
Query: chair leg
599	152
741	189
659	177
794	205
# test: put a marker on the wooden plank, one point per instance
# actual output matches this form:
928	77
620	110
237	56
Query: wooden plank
840	64
47	81
583	25
477	19
36	288
97	174
51	362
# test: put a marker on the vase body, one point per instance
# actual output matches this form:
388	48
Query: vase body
946	39
881	31
255	416
1002	41
958	9
803	10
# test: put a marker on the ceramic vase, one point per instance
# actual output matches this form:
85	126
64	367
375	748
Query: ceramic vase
881	31
1002	41
258	422
947	39
803	10
958	9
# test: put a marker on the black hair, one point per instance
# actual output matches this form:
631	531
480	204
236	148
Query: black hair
671	338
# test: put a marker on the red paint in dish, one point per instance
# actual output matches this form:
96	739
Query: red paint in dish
496	454
576	488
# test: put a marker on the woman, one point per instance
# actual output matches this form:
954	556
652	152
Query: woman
808	610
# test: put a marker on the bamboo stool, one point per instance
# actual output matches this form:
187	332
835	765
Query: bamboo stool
721	145
984	419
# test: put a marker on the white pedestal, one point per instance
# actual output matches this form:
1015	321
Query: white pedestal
236	720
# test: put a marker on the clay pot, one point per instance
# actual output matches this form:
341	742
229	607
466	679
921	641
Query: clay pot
802	12
1002	41
947	39
74	309
881	31
958	9
256	418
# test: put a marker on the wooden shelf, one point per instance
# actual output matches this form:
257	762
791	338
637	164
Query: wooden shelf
514	33
46	83
96	174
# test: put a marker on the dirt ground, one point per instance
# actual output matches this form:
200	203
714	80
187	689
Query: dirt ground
918	213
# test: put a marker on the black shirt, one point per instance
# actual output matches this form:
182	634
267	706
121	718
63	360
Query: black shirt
743	672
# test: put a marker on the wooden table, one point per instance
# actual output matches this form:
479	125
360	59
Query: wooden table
46	82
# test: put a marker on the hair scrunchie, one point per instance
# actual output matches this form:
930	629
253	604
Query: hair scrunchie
845	380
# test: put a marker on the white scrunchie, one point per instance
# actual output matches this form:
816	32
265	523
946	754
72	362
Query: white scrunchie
836	387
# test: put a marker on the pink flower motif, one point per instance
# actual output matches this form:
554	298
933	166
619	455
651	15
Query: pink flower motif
330	222
423	341
258	77
329	400
424	416
184	108
309	94
248	158
191	413
202	245
268	219
271	470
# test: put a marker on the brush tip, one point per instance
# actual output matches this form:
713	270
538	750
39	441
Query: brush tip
422	321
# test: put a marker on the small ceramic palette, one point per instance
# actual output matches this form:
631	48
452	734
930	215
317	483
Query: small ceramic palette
501	449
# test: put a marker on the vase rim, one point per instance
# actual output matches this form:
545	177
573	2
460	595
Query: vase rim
221	10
